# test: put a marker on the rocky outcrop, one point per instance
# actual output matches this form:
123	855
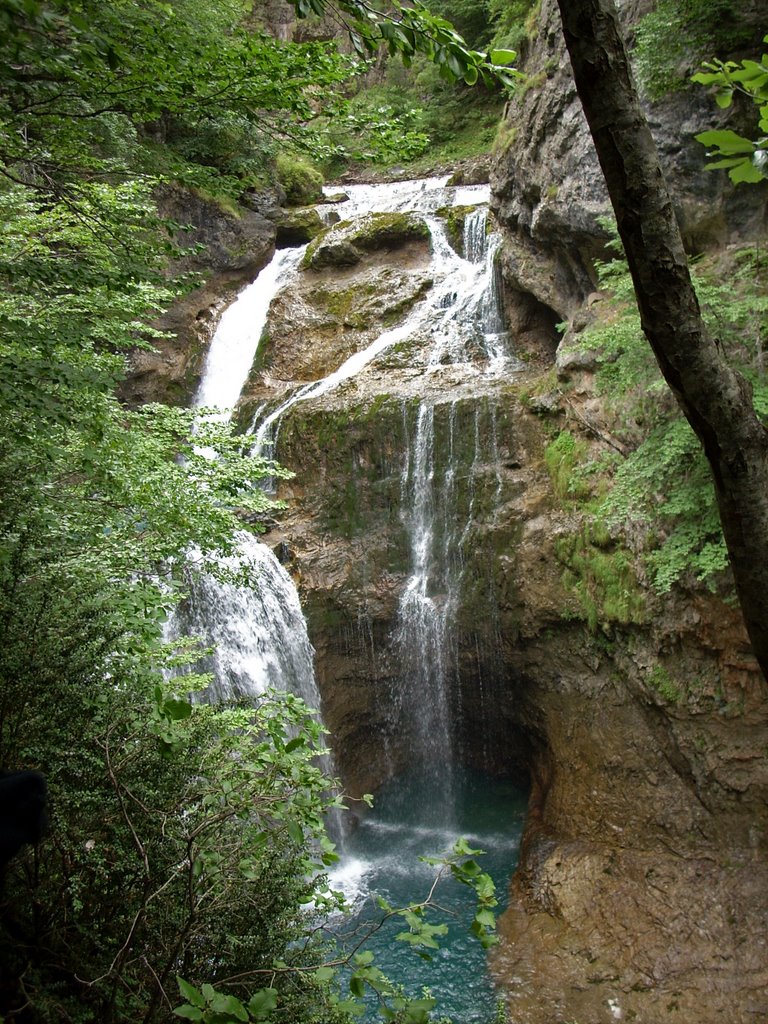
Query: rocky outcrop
355	281
223	248
548	192
643	875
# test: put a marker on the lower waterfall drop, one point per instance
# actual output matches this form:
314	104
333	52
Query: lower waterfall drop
258	632
425	614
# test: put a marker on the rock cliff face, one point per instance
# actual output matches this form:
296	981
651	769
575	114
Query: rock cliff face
640	894
549	195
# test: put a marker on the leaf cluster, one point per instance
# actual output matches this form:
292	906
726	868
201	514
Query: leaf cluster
745	159
416	29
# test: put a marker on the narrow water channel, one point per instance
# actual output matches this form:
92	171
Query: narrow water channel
382	859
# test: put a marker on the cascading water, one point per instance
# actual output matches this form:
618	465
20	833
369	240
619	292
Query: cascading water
424	617
234	344
258	632
261	636
455	313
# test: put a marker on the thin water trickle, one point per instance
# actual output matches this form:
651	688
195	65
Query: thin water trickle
424	614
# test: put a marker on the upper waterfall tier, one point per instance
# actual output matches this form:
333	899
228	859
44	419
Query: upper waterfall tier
402	286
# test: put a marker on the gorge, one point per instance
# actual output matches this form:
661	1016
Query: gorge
422	517
423	533
493	561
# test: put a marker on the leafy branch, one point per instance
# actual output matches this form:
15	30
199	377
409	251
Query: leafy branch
746	160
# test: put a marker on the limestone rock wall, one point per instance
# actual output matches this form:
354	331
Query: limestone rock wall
548	192
640	893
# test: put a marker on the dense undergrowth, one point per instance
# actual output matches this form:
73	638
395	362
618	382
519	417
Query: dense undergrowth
645	489
185	841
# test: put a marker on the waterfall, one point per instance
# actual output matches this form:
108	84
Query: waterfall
476	235
259	632
234	344
460	323
425	613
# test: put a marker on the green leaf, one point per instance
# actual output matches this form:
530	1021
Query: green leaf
231	1006
357	986
188	1012
177	710
727	141
295	831
190	993
502	57
261	1003
746	172
485	918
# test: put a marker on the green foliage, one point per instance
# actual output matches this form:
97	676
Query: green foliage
561	457
678	35
661	493
746	159
408	31
664	685
601	573
514	22
357	971
667	486
182	90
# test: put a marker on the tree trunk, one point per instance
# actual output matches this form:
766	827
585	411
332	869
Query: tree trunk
716	401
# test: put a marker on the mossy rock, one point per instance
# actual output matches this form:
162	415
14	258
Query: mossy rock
303	183
330	252
455	217
298	226
345	243
389	231
478	172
